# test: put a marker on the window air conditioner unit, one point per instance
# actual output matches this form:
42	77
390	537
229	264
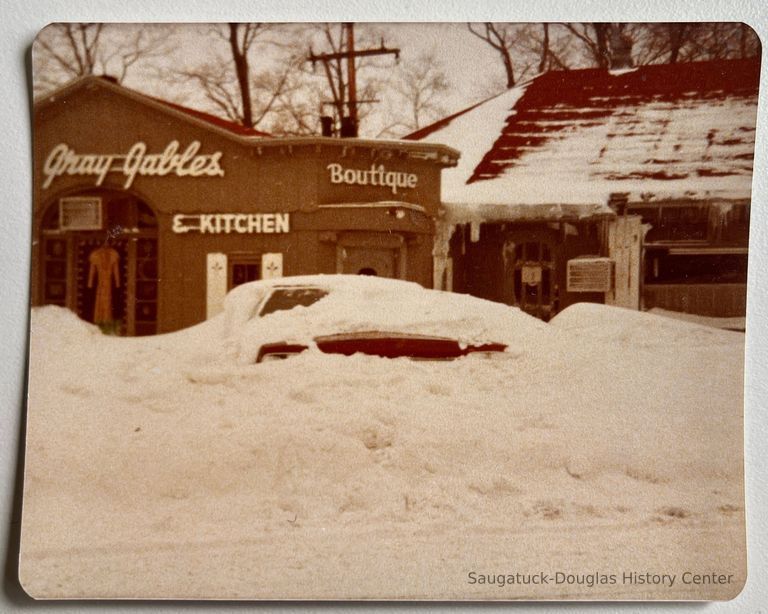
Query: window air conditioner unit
590	274
80	213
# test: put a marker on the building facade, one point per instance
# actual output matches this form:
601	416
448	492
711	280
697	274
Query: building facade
147	213
630	187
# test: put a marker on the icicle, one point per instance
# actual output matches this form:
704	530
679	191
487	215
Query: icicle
508	253
571	230
723	209
438	272
719	216
474	231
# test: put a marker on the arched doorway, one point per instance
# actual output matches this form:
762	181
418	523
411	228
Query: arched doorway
99	258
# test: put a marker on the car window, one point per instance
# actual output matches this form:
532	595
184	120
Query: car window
283	299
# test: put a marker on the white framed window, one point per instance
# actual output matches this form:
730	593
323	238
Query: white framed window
80	213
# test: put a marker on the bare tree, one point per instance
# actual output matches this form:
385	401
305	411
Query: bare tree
417	89
228	79
257	75
671	43
298	106
656	43
525	47
420	84
549	47
676	35
241	38
501	37
595	38
66	51
544	56
749	43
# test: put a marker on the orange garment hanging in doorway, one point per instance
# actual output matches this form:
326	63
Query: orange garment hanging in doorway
104	266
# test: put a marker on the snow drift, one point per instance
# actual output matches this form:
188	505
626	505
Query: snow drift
604	418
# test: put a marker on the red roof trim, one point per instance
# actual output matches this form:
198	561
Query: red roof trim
219	122
215	120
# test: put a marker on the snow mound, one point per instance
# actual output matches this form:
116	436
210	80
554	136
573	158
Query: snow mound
636	328
62	324
137	442
737	323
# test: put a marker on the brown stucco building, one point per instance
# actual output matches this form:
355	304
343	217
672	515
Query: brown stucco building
193	205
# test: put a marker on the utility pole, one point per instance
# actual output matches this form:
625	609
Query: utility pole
349	54
352	76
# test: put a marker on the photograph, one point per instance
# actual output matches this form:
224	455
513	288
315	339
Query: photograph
388	311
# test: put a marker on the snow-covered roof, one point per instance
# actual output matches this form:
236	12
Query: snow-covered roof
573	137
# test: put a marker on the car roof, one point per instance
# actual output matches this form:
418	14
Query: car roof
328	282
331	280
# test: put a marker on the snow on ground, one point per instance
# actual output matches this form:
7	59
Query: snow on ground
732	323
647	329
608	441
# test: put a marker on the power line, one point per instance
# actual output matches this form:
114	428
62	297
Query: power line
350	54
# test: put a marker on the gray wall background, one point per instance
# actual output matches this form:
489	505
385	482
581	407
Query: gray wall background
21	19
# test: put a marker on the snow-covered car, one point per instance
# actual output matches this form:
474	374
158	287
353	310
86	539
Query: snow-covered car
347	314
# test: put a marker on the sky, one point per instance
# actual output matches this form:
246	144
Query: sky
471	66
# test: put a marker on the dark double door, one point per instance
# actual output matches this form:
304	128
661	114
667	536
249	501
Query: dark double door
132	288
133	295
531	270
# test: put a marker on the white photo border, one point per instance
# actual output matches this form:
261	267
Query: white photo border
24	18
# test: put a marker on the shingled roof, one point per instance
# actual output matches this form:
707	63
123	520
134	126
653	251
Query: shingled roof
573	137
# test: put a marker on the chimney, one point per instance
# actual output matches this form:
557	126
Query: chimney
348	127
618	202
326	125
621	49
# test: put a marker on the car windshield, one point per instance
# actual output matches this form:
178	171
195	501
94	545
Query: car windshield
283	299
